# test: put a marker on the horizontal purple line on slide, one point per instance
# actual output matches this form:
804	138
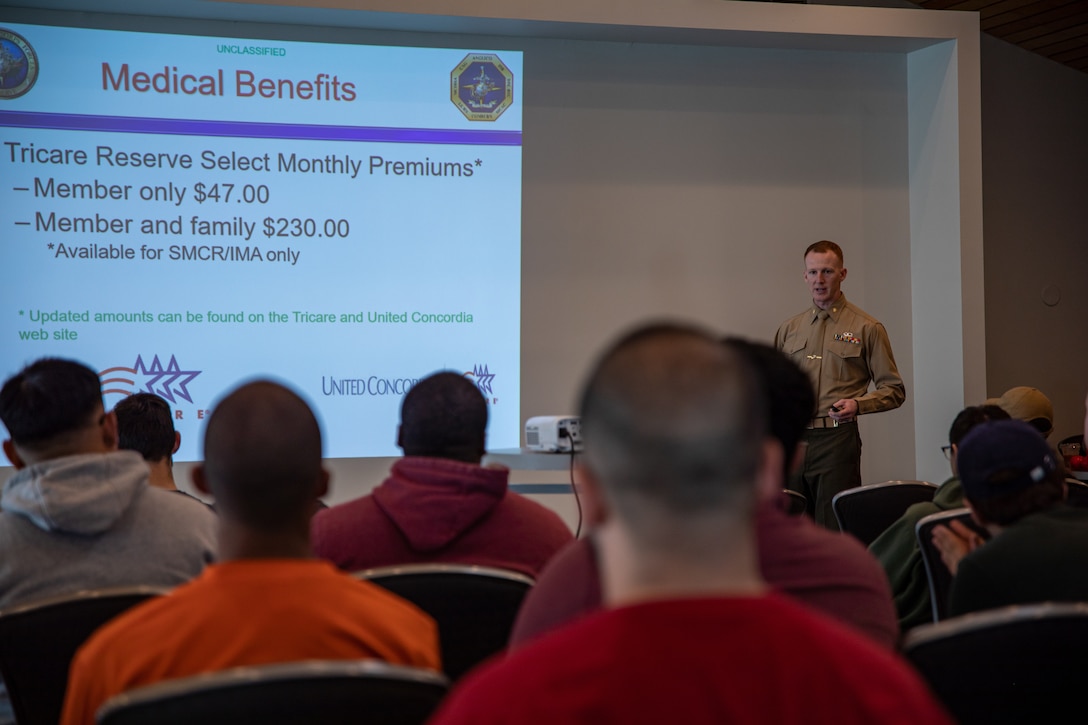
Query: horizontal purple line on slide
245	129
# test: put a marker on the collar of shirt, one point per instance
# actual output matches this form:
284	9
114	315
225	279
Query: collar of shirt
833	312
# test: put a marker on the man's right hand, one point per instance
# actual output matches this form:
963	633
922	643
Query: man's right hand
955	542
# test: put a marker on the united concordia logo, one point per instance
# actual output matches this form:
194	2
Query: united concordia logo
169	381
18	64
482	87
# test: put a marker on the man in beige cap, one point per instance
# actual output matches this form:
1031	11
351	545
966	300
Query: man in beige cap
1029	405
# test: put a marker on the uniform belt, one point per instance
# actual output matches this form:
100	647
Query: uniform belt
826	422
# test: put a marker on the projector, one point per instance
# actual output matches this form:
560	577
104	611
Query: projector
553	433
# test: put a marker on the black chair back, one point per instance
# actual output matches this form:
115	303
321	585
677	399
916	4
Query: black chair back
866	511
937	574
475	606
39	639
1016	664
329	692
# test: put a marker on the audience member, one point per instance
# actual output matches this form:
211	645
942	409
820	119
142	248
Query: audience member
677	453
145	425
267	600
897	548
78	513
815	566
1029	405
438	503
1038	546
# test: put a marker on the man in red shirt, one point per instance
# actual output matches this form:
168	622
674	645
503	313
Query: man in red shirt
677	455
820	568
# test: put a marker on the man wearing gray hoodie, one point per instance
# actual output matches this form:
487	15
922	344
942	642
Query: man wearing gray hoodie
79	513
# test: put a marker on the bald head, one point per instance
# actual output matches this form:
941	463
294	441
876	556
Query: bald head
673	423
262	456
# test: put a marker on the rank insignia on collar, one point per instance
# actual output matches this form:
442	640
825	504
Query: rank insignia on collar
847	337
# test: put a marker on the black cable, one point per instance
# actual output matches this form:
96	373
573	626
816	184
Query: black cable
574	489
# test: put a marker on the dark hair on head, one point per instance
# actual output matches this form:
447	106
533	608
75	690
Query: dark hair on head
673	422
824	246
145	425
1004	509
444	415
48	398
788	390
972	416
262	456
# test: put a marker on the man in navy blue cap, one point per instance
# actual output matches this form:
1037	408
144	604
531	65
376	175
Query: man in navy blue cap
1038	549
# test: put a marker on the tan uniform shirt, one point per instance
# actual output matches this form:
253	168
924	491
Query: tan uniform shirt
842	355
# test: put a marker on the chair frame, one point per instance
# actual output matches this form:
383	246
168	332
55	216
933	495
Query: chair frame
796	502
938	577
409	569
273	675
975	621
870	489
1076	490
27	710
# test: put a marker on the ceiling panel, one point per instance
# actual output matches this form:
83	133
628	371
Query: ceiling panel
1055	29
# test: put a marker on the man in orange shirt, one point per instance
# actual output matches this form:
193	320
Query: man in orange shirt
267	599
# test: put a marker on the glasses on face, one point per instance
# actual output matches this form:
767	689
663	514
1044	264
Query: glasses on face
947	451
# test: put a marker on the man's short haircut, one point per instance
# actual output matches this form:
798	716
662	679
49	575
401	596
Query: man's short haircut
790	396
145	425
49	398
1008	508
262	456
444	416
971	416
673	422
823	246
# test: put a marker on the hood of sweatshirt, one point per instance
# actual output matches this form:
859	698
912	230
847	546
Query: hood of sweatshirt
84	494
435	500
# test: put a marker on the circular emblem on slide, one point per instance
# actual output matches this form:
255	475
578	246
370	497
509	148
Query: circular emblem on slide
18	65
482	87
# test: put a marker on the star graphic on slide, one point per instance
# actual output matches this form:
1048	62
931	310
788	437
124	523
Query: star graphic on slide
483	378
175	382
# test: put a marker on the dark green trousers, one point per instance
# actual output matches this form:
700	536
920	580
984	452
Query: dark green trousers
832	464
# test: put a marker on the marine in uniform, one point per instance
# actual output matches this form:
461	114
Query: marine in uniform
843	350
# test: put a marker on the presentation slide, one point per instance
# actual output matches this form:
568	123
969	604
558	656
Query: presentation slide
185	213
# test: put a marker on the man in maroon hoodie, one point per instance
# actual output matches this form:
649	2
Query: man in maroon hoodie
438	503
